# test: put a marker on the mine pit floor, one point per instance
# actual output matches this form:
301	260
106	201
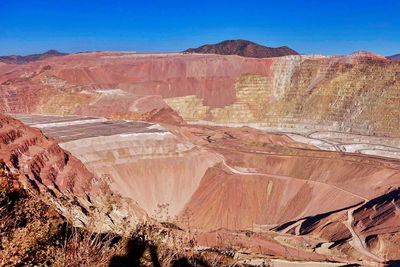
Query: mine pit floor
70	128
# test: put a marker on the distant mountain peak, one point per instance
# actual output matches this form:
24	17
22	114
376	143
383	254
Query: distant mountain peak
29	58
395	57
53	51
243	48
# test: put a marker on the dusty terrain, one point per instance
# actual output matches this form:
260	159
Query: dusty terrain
173	136
356	93
215	175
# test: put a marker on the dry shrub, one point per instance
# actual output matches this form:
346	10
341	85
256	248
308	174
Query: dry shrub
84	248
33	233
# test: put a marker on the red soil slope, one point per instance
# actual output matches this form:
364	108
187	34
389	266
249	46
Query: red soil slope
256	180
290	91
60	177
269	179
209	77
40	157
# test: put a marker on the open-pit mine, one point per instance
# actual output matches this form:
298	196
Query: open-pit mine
285	160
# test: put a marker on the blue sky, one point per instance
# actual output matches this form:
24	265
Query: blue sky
325	26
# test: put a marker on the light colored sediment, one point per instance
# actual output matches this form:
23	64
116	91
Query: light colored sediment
142	161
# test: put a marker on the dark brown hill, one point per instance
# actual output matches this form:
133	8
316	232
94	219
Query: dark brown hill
29	58
243	48
395	57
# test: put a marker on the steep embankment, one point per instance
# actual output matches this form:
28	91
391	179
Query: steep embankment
69	81
267	179
141	161
372	228
234	178
152	169
53	172
44	162
231	178
317	197
357	93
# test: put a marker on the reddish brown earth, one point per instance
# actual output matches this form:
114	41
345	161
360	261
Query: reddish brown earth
271	180
136	108
40	157
307	178
293	92
252	182
209	77
324	205
375	226
243	48
43	166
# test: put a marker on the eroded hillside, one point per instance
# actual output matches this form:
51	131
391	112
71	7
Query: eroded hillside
53	172
357	93
113	137
208	178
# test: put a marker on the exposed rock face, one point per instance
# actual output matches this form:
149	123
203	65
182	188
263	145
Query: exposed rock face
336	93
45	167
210	77
243	48
140	161
371	228
286	182
122	106
225	179
34	57
41	158
237	179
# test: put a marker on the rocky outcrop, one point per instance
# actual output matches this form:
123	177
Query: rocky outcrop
243	48
44	162
61	178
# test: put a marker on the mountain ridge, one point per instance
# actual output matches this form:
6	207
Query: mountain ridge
243	48
14	59
395	57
